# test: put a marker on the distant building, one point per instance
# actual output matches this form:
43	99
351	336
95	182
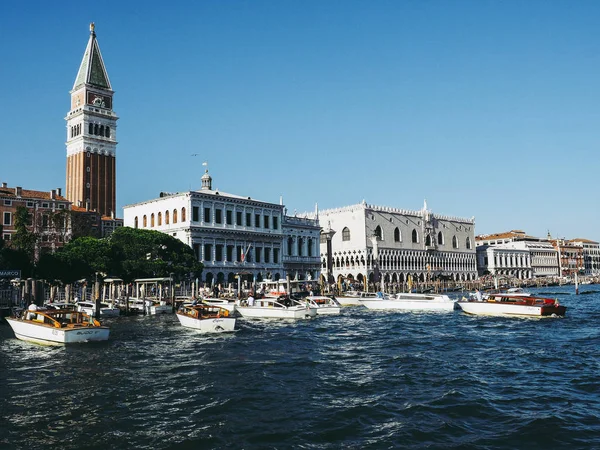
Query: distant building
504	260
86	222
233	235
49	214
91	135
374	243
501	254
570	257
591	255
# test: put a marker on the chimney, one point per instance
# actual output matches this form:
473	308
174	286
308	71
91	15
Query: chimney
18	191
4	185
59	192
80	203
87	206
53	194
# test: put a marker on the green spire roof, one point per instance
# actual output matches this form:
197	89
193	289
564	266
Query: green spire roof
92	70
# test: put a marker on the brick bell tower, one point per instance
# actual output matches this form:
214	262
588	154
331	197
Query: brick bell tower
91	135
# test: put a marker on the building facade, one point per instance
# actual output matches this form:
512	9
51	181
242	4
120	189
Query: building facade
373	243
504	260
591	255
233	235
48	212
542	260
91	135
570	257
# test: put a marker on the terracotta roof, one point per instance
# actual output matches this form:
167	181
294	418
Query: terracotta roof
585	241
81	209
27	193
504	235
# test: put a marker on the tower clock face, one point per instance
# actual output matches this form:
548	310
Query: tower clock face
102	101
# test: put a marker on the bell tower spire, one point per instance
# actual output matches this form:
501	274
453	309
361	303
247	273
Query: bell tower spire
91	135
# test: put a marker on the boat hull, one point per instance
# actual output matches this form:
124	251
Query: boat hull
269	312
48	335
208	325
499	309
328	310
349	301
409	305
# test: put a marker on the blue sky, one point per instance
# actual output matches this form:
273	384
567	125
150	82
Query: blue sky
484	108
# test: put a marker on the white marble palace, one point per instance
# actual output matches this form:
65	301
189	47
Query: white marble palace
398	243
234	235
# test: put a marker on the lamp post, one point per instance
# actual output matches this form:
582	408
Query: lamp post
328	234
171	291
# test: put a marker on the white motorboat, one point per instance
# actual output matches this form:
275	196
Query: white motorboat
353	298
105	309
513	305
57	327
224	303
206	318
272	308
412	302
146	306
323	304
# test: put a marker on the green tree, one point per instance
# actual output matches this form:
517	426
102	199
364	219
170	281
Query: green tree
23	239
13	259
84	257
148	253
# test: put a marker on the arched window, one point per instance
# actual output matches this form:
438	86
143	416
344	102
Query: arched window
107	132
378	232
346	234
397	236
152	220
145	221
415	237
440	238
454	242
159	219
135	222
428	241
101	130
300	242
183	214
91	128
96	129
468	243
166	217
290	246
174	216
310	247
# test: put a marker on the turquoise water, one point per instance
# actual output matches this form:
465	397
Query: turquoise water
364	379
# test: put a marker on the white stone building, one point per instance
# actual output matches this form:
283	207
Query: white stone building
504	260
233	234
542	259
397	243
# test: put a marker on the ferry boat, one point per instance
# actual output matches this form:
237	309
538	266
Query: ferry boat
271	308
206	318
323	304
57	327
411	302
513	305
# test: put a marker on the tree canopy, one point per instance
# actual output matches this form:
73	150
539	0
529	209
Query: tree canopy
127	254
